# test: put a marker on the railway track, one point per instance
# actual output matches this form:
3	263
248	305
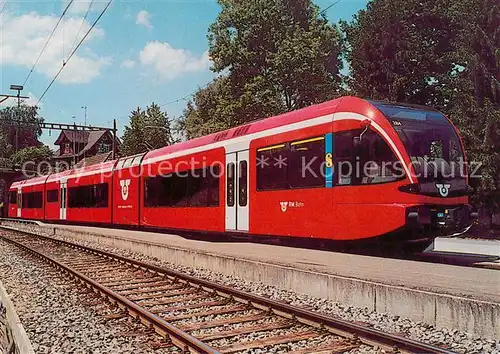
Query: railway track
199	316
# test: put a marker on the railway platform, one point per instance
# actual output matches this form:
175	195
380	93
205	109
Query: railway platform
446	296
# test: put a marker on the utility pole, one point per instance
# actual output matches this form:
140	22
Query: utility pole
85	121
18	88
114	139
74	144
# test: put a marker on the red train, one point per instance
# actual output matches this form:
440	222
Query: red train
348	170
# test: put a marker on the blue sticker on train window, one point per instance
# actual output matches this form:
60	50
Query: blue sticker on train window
329	160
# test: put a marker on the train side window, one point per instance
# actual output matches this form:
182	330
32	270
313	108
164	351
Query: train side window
179	190
128	162
243	185
100	196
52	196
231	175
91	196
32	200
272	168
344	156
13	197
195	188
370	162
213	181
137	160
152	191
306	163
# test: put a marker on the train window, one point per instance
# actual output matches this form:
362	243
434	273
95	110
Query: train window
32	200
128	162
306	167
196	188
344	156
230	184
137	160
272	168
52	196
92	196
179	190
213	181
152	191
371	162
242	184
13	197
120	164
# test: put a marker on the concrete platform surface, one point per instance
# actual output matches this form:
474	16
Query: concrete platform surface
481	284
463	298
468	246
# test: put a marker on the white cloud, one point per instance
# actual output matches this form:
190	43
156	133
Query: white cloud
31	101
143	19
170	62
127	64
79	7
24	36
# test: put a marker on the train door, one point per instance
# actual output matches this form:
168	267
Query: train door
237	209
19	201
63	200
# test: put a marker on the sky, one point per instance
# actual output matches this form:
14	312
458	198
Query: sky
138	53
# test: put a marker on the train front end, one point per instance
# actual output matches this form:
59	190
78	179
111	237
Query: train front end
437	192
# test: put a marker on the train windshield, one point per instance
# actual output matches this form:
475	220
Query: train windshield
430	140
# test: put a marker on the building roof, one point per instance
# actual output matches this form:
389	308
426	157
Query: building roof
93	160
73	136
90	138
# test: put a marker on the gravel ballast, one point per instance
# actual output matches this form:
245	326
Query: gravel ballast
55	316
458	341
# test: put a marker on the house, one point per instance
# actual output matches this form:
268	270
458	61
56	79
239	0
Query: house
74	146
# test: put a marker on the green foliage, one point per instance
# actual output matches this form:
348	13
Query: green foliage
149	129
275	56
402	50
32	155
212	110
25	119
426	53
475	95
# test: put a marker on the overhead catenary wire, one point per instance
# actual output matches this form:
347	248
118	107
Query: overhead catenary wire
47	41
4	5
183	98
329	7
207	84
74	51
81	25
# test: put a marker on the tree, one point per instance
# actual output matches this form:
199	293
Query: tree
402	50
211	110
424	52
275	56
25	119
149	130
30	158
475	98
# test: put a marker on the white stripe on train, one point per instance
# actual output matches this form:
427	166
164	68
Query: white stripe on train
247	138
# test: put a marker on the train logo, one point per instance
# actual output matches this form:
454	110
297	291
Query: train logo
284	206
125	183
443	189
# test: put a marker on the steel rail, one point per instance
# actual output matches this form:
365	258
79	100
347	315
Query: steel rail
368	336
179	338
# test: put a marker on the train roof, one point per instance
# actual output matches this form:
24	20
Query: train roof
317	110
346	103
29	182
